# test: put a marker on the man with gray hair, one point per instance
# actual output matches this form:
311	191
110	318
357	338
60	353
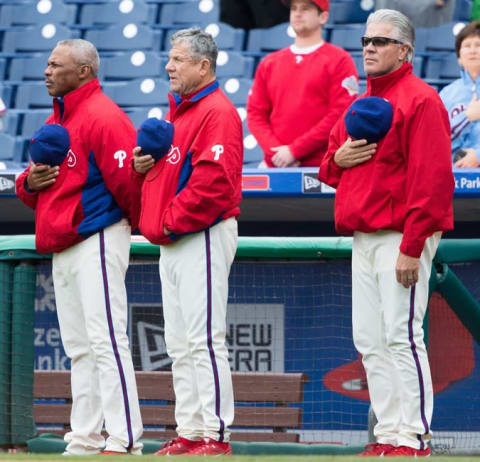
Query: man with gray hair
389	159
190	201
84	210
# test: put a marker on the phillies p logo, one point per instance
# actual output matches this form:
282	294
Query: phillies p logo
217	149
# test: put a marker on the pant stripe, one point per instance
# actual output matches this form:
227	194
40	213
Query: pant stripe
209	335
417	364
114	341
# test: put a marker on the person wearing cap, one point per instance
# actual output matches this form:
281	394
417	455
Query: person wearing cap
461	99
389	160
299	92
85	204
190	201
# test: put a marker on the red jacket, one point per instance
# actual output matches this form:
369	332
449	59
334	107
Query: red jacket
198	183
93	189
297	98
408	184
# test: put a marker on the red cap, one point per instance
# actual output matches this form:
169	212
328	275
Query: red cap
322	4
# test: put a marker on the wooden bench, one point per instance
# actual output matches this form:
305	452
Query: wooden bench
270	421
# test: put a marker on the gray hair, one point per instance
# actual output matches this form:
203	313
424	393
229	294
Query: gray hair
201	45
403	29
83	52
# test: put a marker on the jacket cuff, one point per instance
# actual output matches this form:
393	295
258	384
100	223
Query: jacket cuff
412	249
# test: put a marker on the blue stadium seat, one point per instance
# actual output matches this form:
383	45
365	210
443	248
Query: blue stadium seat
124	37
237	89
226	36
234	64
442	38
140	92
463	10
46	12
117	13
442	67
33	119
35	38
348	37
11	148
350	12
199	12
139	115
6	93
252	152
271	38
28	68
9	122
32	96
133	65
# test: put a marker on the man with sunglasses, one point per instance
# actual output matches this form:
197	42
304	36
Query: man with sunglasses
299	92
394	195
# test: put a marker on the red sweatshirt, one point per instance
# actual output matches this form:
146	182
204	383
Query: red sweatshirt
408	184
297	98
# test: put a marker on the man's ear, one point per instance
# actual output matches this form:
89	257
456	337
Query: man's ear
84	72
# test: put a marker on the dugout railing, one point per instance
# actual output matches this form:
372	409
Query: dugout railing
289	308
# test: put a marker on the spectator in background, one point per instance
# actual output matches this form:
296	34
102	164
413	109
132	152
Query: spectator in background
299	92
461	98
251	14
394	195
84	205
423	13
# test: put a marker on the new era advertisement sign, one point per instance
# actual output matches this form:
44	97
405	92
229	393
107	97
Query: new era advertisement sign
7	184
255	337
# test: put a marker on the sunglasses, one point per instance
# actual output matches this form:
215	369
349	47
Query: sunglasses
379	41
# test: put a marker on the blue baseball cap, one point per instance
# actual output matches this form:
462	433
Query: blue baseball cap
369	118
49	145
155	137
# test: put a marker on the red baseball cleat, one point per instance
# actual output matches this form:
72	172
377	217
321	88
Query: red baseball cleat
211	447
178	446
406	451
113	453
377	450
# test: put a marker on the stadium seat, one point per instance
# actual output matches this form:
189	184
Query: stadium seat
6	93
132	65
33	119
11	148
234	64
199	12
442	67
37	13
9	122
350	12
124	37
237	89
463	10
3	66
442	38
139	115
117	13
32	95
271	38
35	38
252	152
226	37
28	68
140	92
348	37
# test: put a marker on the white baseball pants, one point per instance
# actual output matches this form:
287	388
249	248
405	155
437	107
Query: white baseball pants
387	331
91	298
194	275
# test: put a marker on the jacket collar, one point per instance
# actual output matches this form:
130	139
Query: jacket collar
467	78
63	107
177	103
379	85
